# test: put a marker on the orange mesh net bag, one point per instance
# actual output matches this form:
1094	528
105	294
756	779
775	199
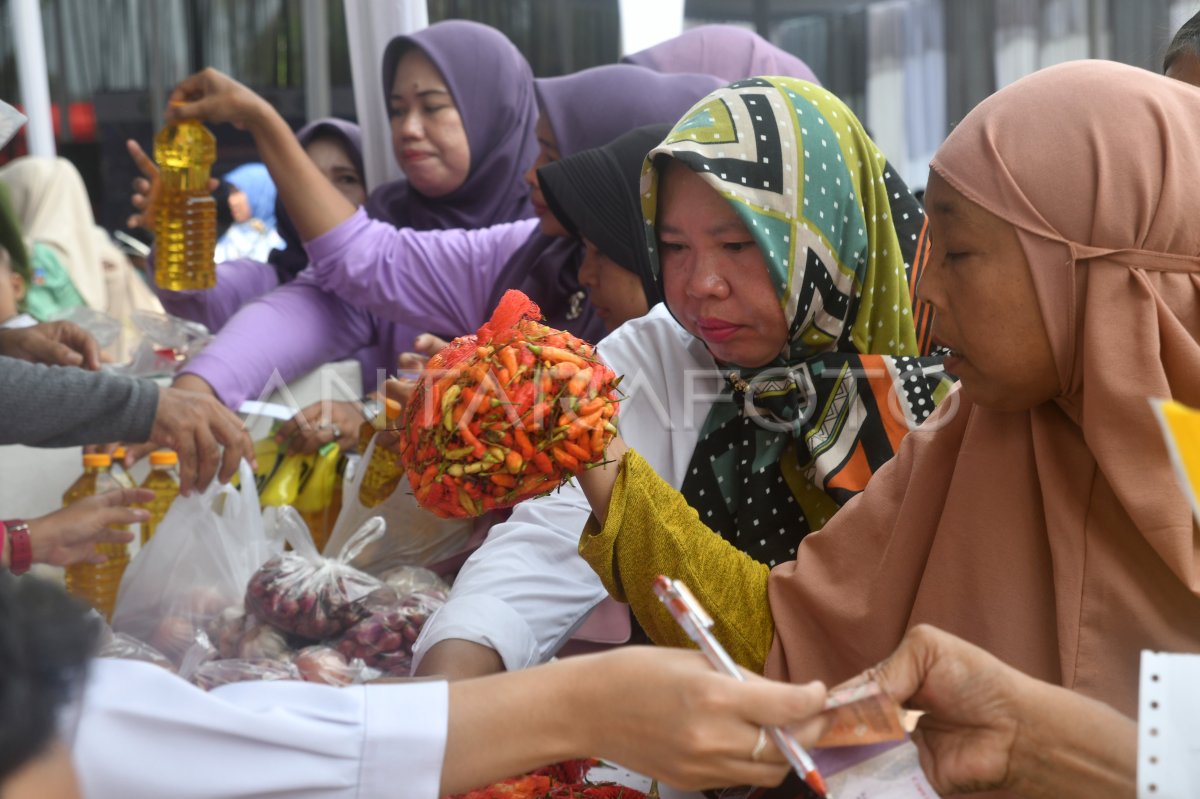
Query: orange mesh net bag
506	414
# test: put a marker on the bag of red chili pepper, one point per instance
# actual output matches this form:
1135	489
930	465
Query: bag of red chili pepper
507	414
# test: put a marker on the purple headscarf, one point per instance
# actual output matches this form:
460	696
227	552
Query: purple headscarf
492	85
729	52
291	259
592	107
585	110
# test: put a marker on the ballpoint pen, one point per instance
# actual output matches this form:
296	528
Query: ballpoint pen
696	622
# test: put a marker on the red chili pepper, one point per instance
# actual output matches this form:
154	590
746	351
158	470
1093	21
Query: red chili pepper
579	452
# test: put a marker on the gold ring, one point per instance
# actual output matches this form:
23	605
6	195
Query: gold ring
760	745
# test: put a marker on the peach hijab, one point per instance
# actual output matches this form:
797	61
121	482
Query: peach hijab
1056	538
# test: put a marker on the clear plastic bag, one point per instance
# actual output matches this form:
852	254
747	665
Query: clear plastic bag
215	673
405	580
384	639
165	343
99	325
197	565
413	537
324	664
126	647
302	593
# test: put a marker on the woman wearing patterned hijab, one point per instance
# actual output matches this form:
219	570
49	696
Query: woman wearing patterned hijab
783	368
1036	513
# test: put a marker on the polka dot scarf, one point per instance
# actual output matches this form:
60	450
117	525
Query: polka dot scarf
843	240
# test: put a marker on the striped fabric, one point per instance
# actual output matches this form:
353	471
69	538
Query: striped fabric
843	240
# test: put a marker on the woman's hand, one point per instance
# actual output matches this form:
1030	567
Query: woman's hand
668	714
320	423
987	726
209	438
145	188
212	96
52	343
69	536
661	712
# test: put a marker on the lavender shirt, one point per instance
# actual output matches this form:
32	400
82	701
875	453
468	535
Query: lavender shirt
391	286
238	282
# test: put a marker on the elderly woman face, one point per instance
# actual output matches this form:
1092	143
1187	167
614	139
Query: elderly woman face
979	284
714	276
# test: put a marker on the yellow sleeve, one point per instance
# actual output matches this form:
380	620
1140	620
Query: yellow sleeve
651	530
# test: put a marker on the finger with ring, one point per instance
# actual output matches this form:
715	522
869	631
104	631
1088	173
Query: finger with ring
760	745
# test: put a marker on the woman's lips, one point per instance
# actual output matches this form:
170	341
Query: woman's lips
412	156
950	360
716	330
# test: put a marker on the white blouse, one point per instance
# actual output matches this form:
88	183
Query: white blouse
526	590
144	732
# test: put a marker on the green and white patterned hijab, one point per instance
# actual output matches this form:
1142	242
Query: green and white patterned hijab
842	238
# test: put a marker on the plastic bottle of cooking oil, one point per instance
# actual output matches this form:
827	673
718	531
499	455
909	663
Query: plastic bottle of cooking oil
96	583
164	482
185	213
383	470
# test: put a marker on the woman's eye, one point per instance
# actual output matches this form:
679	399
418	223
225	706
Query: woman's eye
738	246
955	256
670	246
397	112
433	109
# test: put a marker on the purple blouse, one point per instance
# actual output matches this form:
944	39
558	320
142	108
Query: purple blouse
391	286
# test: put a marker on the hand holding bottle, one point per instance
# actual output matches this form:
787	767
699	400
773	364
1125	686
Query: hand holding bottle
69	536
212	96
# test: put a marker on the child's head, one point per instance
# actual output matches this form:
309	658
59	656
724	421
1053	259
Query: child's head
14	260
12	287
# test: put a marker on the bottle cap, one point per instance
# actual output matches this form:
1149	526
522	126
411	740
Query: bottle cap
96	460
119	454
163	457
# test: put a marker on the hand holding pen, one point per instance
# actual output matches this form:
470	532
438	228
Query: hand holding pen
696	622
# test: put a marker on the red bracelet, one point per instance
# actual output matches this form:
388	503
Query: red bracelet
20	556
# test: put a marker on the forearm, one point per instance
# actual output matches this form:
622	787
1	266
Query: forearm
457	659
1072	746
439	280
650	530
238	282
312	202
63	406
263	346
509	724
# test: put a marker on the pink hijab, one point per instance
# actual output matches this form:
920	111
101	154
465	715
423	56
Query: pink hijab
1056	538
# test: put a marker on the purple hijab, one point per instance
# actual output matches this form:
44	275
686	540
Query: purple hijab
729	52
292	259
585	110
492	85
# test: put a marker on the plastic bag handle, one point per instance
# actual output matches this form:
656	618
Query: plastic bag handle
288	520
371	531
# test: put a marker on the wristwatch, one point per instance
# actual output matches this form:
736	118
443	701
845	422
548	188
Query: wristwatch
20	553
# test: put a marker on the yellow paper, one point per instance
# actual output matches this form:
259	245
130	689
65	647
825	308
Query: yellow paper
1181	427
